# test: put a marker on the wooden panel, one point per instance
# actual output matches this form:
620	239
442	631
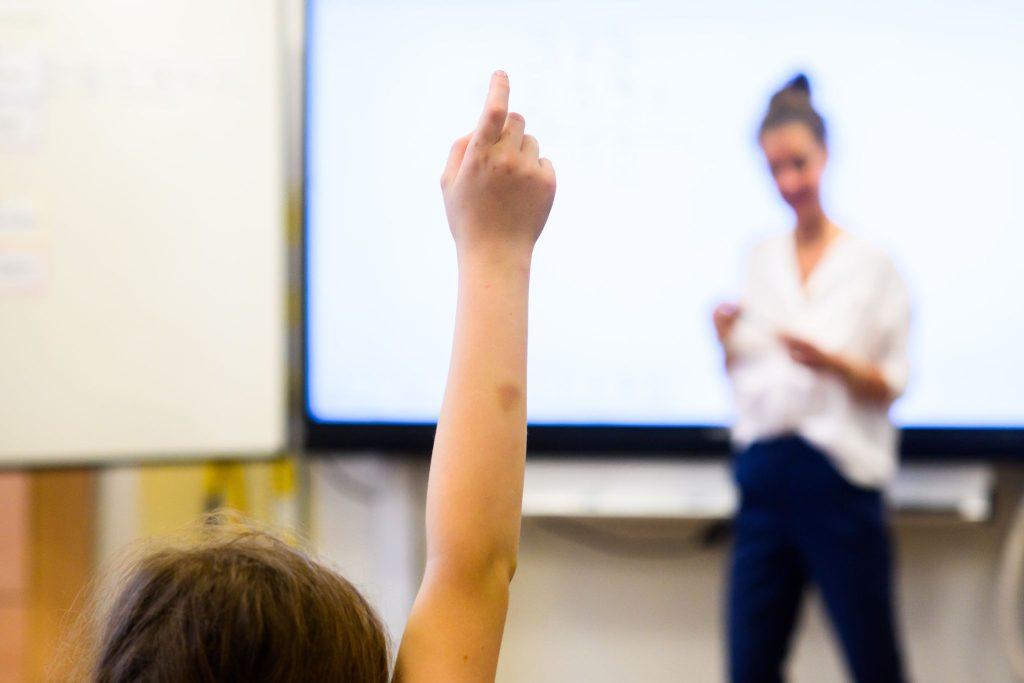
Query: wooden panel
14	507
14	489
61	559
13	643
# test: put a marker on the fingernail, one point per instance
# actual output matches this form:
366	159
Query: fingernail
501	74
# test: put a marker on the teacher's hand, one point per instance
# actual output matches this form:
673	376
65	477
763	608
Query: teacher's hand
725	317
806	353
865	381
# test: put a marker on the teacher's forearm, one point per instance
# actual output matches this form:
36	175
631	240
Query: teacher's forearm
864	381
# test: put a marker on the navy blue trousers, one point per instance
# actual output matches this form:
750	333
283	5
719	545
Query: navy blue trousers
801	522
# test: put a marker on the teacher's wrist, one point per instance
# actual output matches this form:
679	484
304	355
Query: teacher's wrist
842	368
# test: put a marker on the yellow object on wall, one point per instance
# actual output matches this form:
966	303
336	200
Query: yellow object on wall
172	496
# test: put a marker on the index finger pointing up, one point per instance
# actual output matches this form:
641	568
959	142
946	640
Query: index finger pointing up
495	109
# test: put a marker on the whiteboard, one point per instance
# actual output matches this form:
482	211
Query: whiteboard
142	236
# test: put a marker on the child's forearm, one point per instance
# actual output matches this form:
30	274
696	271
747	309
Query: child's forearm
473	506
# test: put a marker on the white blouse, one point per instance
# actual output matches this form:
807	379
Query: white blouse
854	304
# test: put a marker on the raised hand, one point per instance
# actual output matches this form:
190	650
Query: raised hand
497	189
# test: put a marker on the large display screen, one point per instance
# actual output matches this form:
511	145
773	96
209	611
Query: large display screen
649	111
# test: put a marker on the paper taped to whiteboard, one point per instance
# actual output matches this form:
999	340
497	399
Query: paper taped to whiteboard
16	217
22	271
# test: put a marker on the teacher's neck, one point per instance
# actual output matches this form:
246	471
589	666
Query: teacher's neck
814	226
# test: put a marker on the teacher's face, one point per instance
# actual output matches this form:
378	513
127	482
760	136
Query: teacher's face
796	161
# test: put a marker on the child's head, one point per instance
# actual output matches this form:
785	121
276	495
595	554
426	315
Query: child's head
238	605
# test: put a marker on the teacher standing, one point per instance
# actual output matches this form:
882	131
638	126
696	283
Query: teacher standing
816	353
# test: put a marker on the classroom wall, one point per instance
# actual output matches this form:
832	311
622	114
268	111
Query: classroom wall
649	608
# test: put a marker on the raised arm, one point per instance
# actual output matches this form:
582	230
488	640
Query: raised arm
497	194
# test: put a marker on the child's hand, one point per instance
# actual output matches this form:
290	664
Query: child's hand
497	190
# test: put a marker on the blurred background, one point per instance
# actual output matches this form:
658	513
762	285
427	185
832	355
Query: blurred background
159	327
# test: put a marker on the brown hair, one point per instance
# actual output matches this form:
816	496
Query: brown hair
239	604
792	104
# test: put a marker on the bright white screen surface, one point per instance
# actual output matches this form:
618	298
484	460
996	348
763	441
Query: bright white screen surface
648	111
